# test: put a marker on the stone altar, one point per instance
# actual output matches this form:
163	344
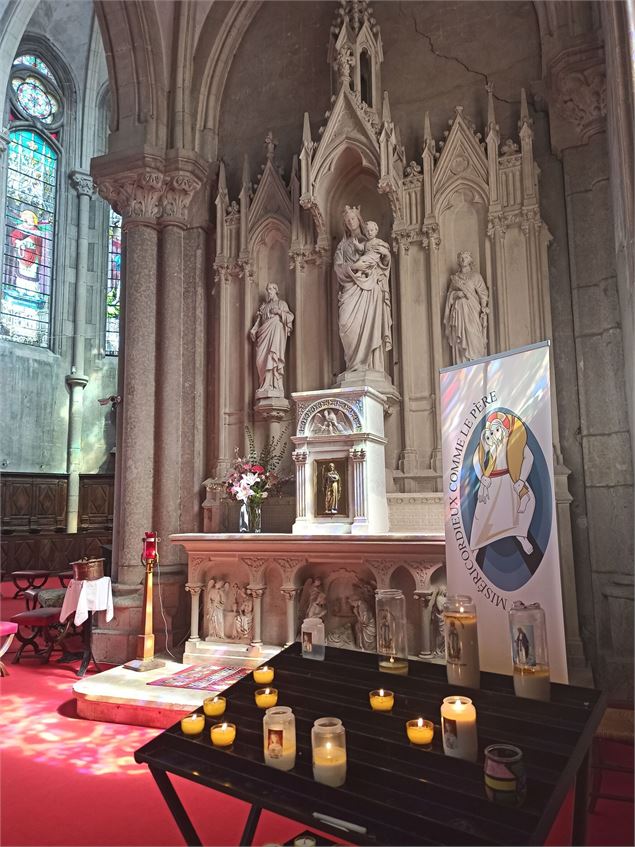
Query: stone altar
275	580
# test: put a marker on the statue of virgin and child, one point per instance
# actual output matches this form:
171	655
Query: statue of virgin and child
362	266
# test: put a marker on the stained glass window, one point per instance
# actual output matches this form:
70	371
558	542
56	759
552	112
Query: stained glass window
35	62
113	291
35	118
30	232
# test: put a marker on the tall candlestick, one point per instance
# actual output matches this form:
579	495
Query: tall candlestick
461	641
458	723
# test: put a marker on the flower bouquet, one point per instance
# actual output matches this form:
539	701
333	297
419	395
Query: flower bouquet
253	478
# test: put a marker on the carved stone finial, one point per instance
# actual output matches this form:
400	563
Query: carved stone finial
343	65
270	144
492	126
385	112
246	174
222	179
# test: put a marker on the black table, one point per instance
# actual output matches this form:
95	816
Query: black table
395	792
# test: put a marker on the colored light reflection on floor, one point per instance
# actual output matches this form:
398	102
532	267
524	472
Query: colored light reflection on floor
33	726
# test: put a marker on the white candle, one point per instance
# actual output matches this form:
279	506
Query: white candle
329	765
458	724
532	682
461	640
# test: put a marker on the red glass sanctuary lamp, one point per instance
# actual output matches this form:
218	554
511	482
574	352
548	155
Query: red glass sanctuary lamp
145	660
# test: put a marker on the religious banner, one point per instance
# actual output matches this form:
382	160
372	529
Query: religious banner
500	522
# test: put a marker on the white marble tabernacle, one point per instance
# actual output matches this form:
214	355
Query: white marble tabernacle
340	463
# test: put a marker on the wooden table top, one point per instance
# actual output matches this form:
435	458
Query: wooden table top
400	793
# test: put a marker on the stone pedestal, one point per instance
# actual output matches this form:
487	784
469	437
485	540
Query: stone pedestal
340	462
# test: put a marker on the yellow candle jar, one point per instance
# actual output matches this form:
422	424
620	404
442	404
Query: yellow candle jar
193	724
264	676
420	731
382	701
266	697
214	707
223	734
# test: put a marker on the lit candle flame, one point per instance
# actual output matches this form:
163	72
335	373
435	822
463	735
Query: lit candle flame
381	692
420	722
392	659
328	745
458	706
223	727
266	691
461	609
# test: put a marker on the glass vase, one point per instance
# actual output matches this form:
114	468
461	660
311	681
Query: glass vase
392	638
250	517
505	778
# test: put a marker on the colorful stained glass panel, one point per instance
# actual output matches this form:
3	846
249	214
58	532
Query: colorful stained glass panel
30	230
113	294
35	63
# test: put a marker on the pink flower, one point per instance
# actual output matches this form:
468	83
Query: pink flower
258	468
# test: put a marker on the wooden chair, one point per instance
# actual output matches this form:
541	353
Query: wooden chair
617	726
44	623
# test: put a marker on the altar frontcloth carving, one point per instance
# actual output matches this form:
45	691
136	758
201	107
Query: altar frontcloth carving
278	576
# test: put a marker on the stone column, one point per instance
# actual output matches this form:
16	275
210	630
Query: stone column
4	139
358	458
290	593
136	194
194	589
426	620
256	592
176	364
76	379
299	458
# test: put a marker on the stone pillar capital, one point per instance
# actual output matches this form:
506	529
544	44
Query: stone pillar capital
256	591
194	588
300	457
576	91
4	139
82	182
357	455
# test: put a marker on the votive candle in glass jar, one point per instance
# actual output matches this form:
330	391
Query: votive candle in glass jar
505	777
381	700
223	734
193	724
530	652
313	639
266	697
278	727
458	725
461	641
420	731
328	743
392	640
214	707
264	675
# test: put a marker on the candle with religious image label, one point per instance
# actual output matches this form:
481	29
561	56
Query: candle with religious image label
458	726
278	727
530	653
461	641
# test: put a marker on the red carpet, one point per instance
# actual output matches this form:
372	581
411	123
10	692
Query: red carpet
67	781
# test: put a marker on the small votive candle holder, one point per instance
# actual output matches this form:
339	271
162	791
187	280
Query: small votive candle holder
266	697
223	734
381	700
214	707
264	675
420	731
193	724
